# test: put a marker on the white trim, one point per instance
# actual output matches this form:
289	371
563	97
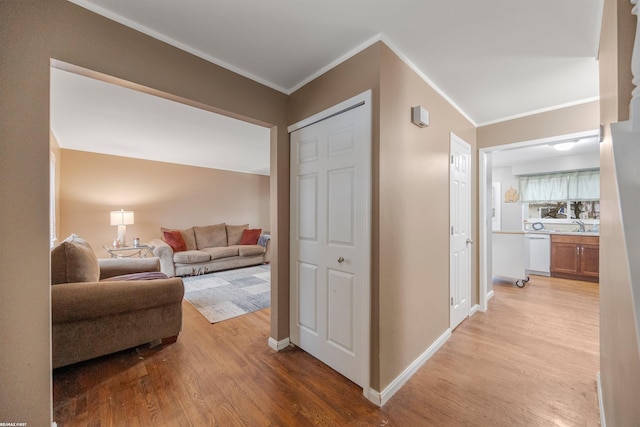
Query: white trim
541	110
474	309
603	421
382	398
279	345
490	294
424	77
353	52
484	238
364	98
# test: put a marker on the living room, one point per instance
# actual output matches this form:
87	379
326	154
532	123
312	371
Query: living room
133	151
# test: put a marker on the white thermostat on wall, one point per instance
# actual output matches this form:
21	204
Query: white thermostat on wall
419	116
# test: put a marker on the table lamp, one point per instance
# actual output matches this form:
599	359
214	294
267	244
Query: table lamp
122	218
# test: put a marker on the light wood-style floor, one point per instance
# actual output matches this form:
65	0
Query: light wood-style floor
531	360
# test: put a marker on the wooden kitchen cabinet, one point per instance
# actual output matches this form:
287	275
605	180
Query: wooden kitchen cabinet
575	257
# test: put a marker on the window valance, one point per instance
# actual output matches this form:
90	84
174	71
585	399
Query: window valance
556	187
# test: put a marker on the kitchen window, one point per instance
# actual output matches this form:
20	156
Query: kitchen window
567	195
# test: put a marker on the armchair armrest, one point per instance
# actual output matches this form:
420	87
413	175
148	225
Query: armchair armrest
80	301
164	253
111	267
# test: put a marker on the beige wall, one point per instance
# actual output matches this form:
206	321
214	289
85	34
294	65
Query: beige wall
160	194
414	216
32	33
619	355
410	190
563	121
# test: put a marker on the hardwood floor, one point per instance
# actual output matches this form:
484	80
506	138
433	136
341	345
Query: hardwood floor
531	360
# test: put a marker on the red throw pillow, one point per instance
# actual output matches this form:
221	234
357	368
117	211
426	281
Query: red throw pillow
250	236
175	240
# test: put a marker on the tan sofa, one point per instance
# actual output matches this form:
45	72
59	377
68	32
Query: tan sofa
210	248
97	308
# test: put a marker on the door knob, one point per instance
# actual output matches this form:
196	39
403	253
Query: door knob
469	241
340	260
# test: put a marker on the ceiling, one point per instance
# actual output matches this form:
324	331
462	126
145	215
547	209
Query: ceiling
493	60
100	117
587	145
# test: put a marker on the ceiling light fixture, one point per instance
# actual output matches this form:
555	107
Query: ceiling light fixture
564	146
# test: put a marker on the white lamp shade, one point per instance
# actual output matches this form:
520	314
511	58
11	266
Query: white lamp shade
121	217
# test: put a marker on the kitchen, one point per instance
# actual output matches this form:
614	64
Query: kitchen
545	211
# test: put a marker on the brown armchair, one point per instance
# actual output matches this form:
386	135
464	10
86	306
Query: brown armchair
92	316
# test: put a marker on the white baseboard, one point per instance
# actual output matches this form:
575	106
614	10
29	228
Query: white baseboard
603	422
382	398
474	309
279	345
490	295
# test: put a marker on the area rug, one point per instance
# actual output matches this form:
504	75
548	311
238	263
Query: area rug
227	294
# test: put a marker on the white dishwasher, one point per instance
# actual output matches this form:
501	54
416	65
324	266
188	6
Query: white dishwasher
538	254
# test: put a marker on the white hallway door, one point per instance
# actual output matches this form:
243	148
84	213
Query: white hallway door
460	226
330	241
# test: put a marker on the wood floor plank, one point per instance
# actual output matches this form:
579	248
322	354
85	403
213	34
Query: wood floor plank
531	360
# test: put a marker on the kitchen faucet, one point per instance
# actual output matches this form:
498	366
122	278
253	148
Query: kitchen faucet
580	223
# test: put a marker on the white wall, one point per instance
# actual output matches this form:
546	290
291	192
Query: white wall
511	212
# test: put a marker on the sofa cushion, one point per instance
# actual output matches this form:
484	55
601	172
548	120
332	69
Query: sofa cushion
250	250
250	236
191	257
175	240
188	236
222	252
234	234
211	236
73	261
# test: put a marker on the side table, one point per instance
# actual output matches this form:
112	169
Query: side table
140	251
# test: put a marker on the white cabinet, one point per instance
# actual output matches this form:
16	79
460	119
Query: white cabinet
509	255
538	254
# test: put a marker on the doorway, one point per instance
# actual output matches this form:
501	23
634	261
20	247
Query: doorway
487	163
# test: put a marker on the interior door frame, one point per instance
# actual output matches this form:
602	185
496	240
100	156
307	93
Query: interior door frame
365	100
453	138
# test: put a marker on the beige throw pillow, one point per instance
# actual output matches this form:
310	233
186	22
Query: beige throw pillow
234	233
211	236
74	261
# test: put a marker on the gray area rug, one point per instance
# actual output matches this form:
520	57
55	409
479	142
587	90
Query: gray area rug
223	295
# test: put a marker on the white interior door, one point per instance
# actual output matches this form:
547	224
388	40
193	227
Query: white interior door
460	229
330	241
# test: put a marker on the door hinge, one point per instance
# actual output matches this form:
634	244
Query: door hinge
452	159
452	301
452	230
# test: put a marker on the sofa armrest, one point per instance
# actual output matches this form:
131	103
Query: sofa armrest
267	253
89	300
111	267
164	252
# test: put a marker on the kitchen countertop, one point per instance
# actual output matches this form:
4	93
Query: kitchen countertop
569	233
